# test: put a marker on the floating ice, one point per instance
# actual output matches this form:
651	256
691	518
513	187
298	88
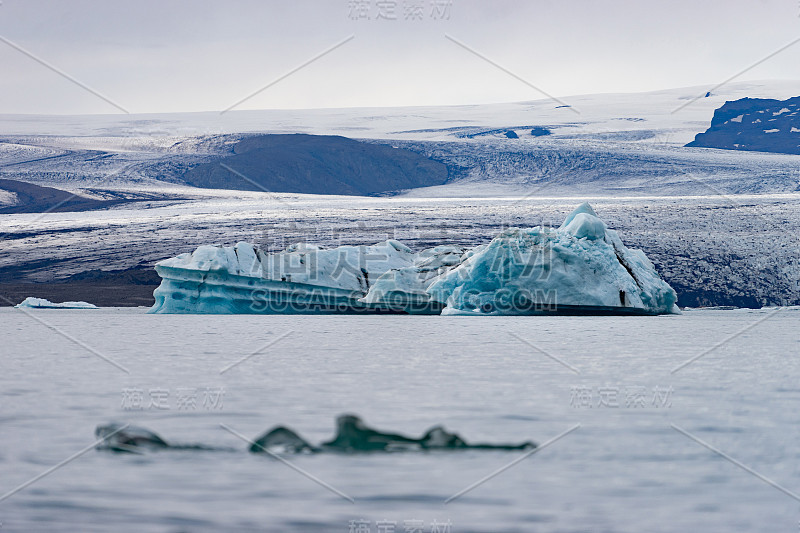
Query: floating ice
580	267
352	435
302	279
40	303
345	267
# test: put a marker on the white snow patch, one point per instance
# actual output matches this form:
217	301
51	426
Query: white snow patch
7	198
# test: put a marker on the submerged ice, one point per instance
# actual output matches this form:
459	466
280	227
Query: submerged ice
580	267
352	436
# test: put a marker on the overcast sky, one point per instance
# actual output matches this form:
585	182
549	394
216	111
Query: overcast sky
162	55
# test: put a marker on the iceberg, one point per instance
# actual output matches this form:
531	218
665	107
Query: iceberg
581	267
302	279
40	303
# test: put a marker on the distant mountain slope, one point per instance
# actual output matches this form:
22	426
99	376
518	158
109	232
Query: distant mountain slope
23	197
755	124
32	198
318	164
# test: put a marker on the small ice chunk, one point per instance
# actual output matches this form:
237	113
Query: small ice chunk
40	303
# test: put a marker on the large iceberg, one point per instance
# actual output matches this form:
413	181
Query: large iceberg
302	279
580	267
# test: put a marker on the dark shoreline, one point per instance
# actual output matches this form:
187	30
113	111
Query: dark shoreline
134	287
100	294
110	294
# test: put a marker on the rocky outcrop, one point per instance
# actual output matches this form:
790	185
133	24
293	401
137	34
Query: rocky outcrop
317	164
754	124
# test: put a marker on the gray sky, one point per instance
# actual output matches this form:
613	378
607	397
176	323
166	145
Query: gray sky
159	56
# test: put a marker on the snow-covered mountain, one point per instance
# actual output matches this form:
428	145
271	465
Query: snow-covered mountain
720	225
601	144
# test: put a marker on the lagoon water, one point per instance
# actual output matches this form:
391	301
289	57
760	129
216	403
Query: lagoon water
626	466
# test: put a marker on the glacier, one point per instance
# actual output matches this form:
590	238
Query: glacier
581	267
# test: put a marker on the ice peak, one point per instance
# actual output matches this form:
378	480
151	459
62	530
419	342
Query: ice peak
583	208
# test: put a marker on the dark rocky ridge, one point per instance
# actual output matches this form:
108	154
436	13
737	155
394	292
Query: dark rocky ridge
36	199
32	198
135	286
106	288
743	125
318	164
